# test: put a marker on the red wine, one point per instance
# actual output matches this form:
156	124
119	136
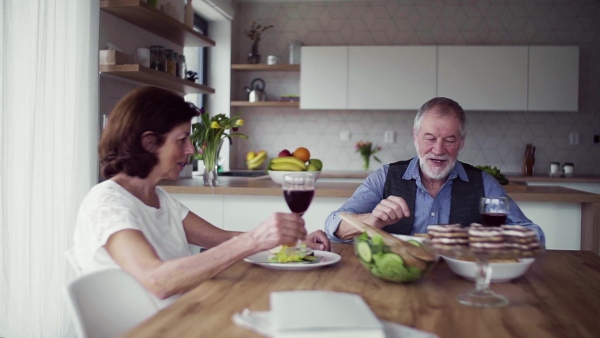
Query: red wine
298	200
493	219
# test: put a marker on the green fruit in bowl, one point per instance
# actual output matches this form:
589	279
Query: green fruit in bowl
312	167
316	162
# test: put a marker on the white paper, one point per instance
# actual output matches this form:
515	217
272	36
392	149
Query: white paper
260	322
323	313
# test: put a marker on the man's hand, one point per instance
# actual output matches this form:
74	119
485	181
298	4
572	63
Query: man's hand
388	211
318	241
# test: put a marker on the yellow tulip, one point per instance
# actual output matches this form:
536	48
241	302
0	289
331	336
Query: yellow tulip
239	122
214	125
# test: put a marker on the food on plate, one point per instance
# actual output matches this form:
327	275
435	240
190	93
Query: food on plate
486	238
288	254
448	235
390	262
520	238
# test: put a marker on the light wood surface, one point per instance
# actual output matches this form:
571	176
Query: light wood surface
280	104
151	19
145	75
263	67
557	297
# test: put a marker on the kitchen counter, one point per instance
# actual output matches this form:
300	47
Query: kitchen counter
554	179
552	203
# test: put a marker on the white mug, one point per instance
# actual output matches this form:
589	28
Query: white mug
554	168
272	60
142	56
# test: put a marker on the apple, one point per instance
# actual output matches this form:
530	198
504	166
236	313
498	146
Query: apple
284	153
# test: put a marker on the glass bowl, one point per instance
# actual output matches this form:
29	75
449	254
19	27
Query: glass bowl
390	263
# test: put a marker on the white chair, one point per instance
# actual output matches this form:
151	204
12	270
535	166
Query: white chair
107	303
70	254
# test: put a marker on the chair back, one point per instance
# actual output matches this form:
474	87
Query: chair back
70	254
108	302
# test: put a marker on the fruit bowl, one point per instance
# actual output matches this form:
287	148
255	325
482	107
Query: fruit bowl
277	175
382	262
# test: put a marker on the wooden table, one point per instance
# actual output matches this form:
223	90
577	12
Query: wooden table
558	297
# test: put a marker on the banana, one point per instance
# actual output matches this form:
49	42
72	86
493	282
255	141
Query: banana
286	166
257	160
290	159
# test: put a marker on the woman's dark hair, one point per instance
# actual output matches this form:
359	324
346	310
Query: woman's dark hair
147	109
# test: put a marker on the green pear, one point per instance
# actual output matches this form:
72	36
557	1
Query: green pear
312	167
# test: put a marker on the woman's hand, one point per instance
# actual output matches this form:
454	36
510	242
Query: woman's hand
278	229
318	241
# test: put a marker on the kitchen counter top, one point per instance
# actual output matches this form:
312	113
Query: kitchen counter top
554	179
328	186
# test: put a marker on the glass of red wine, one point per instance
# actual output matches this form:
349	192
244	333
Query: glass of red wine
494	211
298	190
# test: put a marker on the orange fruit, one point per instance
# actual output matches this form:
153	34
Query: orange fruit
302	154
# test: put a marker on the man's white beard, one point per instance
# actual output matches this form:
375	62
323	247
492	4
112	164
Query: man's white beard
435	173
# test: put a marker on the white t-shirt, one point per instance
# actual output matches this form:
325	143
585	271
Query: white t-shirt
109	208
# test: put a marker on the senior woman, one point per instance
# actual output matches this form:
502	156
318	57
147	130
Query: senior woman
128	221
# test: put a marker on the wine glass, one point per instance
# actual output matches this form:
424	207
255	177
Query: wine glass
494	211
298	191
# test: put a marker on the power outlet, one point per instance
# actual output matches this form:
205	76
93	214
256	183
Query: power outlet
388	136
344	135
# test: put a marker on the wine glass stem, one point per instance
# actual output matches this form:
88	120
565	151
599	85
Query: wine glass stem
483	275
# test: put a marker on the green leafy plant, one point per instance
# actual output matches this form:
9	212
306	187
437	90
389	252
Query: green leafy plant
494	172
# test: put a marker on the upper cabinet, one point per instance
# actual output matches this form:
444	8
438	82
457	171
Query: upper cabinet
141	14
324	78
493	78
484	77
553	78
391	77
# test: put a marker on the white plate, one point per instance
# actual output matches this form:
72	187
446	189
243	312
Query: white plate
501	272
260	258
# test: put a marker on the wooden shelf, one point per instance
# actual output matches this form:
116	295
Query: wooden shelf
263	67
135	72
151	19
282	104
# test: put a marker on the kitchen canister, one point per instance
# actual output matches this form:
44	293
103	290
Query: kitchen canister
295	52
554	167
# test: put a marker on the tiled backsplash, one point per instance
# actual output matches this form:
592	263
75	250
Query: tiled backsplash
495	138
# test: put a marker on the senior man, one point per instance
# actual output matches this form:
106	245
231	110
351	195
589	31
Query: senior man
433	188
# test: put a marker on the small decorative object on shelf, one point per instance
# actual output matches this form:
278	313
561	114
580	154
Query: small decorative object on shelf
366	149
191	76
208	136
254	34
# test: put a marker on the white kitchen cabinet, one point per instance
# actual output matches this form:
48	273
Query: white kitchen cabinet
553	78
391	77
484	77
324	78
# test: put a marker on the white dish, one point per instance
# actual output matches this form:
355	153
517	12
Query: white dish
262	257
277	176
501	272
406	238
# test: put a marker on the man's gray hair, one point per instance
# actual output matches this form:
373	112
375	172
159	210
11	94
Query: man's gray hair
447	106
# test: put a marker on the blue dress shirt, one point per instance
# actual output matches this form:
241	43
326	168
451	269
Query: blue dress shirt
428	210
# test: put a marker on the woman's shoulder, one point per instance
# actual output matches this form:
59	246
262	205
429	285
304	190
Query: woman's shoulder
107	192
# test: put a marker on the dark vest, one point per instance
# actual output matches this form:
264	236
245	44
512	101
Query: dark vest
464	197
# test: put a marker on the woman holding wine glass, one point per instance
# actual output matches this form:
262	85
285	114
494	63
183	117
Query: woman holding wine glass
129	222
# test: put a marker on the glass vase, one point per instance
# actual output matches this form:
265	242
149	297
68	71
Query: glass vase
253	56
366	159
210	156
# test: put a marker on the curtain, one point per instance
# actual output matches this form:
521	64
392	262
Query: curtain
48	137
